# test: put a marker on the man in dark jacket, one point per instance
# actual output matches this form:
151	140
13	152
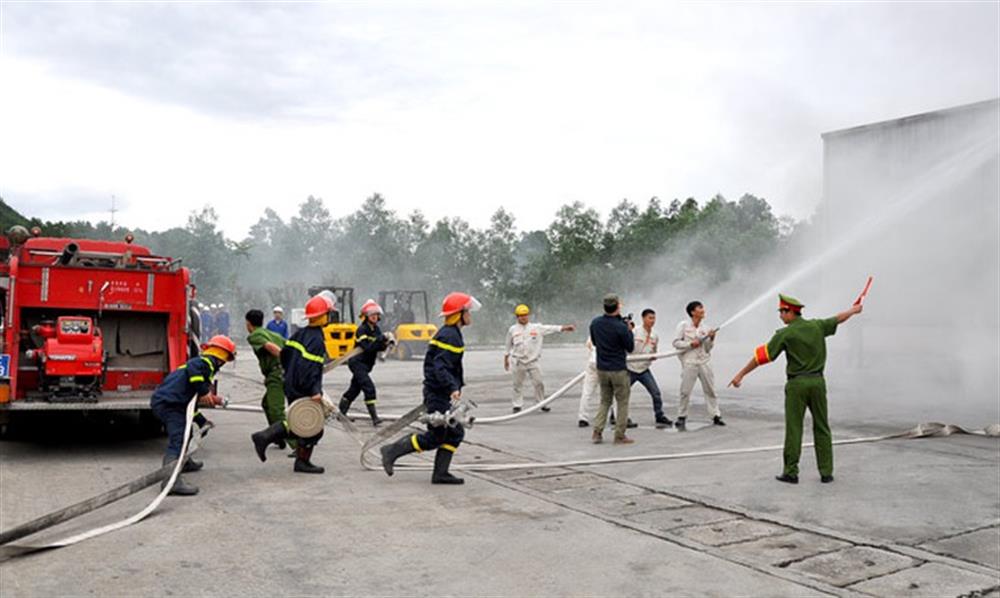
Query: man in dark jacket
443	382
371	341
613	341
302	358
171	398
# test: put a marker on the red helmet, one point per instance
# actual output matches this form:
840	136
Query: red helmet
222	342
317	306
371	307
456	302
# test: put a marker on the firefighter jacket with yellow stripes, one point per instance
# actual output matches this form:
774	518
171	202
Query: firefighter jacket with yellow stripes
303	357
370	340
443	366
192	379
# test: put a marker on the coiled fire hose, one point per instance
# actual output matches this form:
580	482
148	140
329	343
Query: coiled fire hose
8	550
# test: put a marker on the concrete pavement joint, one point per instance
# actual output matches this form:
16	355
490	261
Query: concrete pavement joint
921	555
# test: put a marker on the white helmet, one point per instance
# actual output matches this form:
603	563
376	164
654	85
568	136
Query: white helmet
277	308
215	306
221	305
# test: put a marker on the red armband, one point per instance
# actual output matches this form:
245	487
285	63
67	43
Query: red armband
761	355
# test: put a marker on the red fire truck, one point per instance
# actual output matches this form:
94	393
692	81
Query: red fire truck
88	325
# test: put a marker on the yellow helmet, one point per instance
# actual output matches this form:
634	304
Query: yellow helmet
522	310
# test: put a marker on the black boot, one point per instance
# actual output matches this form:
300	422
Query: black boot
191	465
717	420
681	424
344	406
391	452
441	462
302	462
376	420
180	487
275	433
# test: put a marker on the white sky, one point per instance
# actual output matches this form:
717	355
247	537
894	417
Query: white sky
457	109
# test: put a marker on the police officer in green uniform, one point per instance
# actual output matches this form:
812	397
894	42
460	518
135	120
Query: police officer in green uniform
804	344
267	347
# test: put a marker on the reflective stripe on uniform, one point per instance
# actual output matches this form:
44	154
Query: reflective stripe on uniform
371	402
306	354
416	445
450	448
435	342
364	337
196	379
761	356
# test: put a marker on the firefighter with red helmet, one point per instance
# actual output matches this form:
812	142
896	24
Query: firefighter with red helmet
170	400
443	382
371	341
302	357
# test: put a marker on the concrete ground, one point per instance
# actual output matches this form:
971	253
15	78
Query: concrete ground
903	518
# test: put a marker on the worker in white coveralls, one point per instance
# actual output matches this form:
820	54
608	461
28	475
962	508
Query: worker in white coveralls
695	341
591	388
523	351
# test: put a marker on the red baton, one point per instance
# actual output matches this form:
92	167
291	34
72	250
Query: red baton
861	298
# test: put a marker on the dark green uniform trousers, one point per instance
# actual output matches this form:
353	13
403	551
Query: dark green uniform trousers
807	392
274	398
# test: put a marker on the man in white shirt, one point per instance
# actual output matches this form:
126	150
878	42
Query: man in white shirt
591	388
646	342
523	351
696	340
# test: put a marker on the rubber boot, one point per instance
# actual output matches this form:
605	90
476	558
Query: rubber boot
180	487
376	420
391	452
302	463
274	433
441	462
191	466
344	406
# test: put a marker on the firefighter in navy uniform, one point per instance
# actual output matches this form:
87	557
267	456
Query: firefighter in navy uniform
302	357
371	341
443	383
170	400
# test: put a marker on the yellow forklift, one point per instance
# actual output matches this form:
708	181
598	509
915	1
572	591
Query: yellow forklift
408	316
340	332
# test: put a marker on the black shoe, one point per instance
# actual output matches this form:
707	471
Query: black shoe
274	433
827	479
681	424
191	466
180	487
302	462
516	410
663	422
583	424
281	445
344	405
373	413
788	479
631	424
391	452
546	409
442	460
717	420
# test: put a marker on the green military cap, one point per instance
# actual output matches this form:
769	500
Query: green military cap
786	302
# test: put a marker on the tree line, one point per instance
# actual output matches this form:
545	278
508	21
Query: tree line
562	271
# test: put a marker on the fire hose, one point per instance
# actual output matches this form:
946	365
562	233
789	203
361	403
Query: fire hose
168	472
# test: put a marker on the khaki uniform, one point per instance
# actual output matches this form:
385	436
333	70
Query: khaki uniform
524	346
695	366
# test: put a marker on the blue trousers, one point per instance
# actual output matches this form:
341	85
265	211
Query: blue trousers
174	419
649	382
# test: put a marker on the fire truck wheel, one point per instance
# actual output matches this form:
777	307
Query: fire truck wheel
150	425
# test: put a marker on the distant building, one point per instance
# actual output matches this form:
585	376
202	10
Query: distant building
927	189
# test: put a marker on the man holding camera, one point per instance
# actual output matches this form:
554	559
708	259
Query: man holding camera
613	341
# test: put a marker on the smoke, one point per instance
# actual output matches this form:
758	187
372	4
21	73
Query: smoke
915	203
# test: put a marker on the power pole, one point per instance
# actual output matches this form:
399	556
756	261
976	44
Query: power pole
114	210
